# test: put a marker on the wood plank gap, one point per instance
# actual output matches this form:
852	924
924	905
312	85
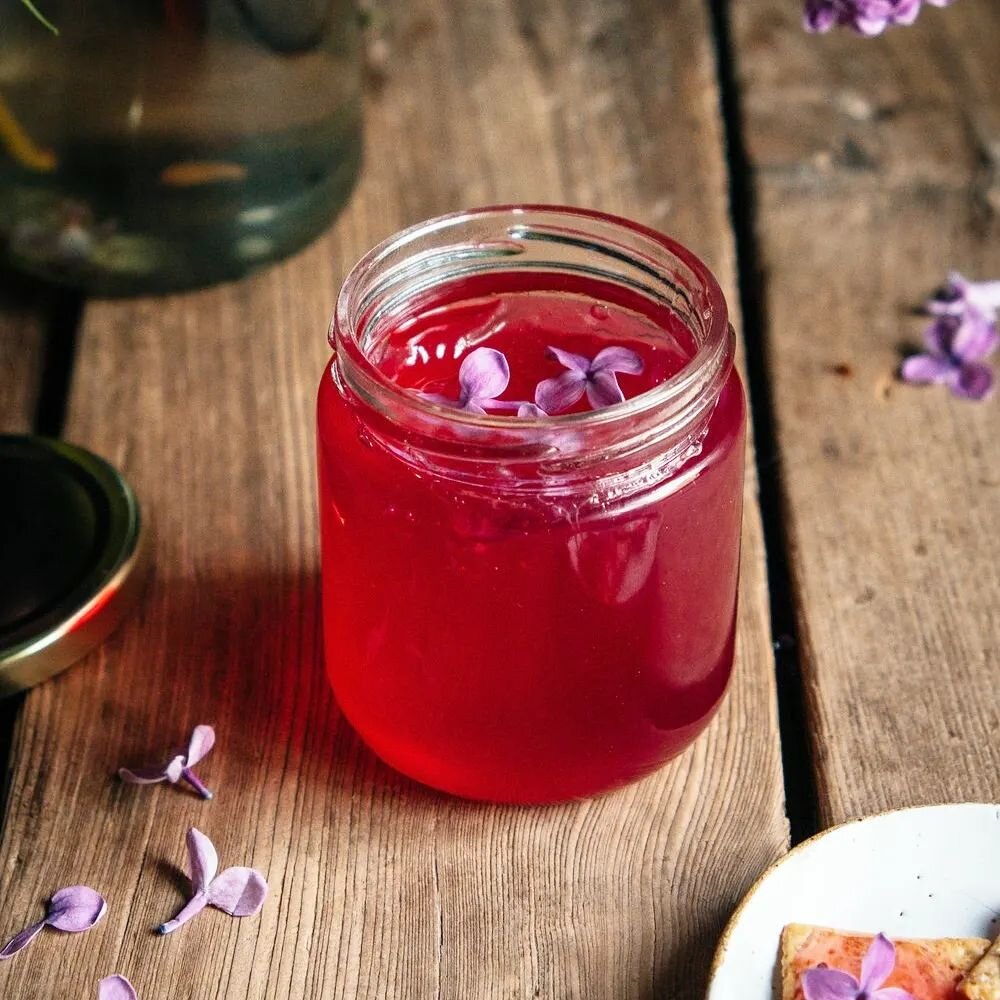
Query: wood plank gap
801	796
62	324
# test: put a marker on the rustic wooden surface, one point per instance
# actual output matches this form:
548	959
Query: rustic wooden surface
21	355
379	888
877	167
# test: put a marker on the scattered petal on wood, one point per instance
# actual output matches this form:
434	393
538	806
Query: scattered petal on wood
74	909
179	766
115	988
240	892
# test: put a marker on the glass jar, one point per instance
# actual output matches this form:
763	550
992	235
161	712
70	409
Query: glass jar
162	145
528	608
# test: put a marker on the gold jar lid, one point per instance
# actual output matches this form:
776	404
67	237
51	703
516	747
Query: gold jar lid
71	555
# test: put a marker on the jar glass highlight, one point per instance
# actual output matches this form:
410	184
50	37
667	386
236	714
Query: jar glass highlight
532	608
167	144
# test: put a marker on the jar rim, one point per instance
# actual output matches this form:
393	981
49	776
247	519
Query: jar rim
346	336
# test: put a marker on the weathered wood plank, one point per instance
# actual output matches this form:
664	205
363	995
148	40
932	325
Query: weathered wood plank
380	889
878	170
21	352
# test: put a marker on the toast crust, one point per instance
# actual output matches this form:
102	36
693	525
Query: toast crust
952	958
983	982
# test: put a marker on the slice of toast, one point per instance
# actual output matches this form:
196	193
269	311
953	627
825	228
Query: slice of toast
930	969
983	982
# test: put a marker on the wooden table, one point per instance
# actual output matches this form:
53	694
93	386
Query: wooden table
831	183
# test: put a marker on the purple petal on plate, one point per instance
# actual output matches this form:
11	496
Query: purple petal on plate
204	859
483	374
240	892
828	984
530	410
878	963
603	390
202	741
19	941
115	988
892	993
925	368
974	381
618	359
975	339
574	362
556	394
142	775
76	908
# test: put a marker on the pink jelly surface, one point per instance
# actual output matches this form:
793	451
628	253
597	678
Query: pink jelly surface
526	651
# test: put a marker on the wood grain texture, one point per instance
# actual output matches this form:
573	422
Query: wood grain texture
21	354
878	170
380	889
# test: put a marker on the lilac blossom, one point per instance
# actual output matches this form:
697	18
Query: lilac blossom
867	17
483	376
962	335
956	347
74	909
822	983
115	988
961	296
597	377
240	892
179	766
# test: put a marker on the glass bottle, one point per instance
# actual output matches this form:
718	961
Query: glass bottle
167	144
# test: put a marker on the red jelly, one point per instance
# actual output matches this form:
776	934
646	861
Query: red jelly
538	607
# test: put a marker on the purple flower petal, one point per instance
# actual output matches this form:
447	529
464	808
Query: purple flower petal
603	390
201	742
618	359
142	775
981	295
75	909
974	381
240	892
115	988
484	374
204	859
174	770
554	395
878	963
19	941
530	410
892	993
926	368
906	12
574	362
191	908
975	339
829	984
940	335
820	16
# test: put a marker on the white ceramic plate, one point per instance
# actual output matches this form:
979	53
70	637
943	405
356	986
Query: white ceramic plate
927	872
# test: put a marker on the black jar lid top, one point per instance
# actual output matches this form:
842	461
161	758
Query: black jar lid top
71	546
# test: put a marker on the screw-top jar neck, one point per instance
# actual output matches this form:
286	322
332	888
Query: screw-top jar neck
614	450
